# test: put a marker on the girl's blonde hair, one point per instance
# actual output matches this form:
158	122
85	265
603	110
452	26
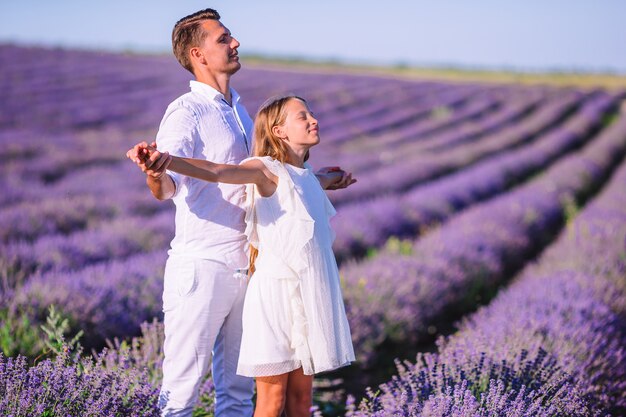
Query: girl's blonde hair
266	143
272	113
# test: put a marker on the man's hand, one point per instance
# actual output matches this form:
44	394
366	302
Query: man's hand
152	162
334	178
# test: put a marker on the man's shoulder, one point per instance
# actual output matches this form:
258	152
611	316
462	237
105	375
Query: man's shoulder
193	102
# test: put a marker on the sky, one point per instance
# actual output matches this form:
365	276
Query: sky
523	35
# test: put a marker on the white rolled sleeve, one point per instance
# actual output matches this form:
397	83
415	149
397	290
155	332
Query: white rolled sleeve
176	135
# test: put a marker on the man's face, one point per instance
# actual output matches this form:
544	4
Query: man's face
219	48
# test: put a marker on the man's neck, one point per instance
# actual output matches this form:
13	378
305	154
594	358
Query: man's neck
221	83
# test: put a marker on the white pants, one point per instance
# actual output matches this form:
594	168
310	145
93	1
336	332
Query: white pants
202	305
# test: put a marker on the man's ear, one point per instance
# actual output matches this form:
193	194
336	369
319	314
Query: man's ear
196	55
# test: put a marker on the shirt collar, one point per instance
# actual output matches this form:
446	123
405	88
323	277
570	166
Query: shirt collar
211	93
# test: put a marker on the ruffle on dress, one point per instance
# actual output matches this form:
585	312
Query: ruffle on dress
299	328
330	209
295	225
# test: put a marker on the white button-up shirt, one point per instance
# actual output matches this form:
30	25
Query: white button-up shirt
209	216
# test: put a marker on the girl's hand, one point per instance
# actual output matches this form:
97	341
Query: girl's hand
334	178
344	181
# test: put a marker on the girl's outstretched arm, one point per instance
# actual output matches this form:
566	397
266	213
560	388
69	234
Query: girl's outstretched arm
250	172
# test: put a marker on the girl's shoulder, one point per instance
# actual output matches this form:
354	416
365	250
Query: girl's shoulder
251	158
267	160
274	165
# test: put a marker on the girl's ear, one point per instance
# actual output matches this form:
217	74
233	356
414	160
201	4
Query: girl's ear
279	132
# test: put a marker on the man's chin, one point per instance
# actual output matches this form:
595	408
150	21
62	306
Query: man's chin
234	67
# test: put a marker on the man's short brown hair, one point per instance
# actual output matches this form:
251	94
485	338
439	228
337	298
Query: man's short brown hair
188	33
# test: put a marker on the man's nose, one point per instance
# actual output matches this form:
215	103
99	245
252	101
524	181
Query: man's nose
234	43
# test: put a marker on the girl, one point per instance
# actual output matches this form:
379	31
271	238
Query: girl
294	321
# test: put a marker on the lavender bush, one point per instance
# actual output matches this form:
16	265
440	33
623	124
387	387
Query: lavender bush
69	387
541	345
463	124
105	300
369	224
390	179
404	298
146	352
529	386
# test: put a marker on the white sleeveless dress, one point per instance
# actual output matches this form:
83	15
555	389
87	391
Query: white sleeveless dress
293	314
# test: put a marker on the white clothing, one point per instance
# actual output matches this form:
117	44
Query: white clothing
201	124
293	314
203	294
202	302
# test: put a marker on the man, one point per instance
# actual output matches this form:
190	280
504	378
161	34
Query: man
205	276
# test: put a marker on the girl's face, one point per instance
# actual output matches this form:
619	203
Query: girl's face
300	127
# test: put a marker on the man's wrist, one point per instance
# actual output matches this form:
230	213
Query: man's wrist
156	179
158	175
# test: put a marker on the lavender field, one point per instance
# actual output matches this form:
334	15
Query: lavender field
482	250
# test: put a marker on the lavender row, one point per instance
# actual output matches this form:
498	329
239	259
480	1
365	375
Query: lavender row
132	91
443	117
116	240
368	224
375	103
382	116
39	161
47	158
105	300
123	379
28	220
456	132
390	179
54	214
74	387
513	110
403	298
371	151
74	203
561	309
332	93
31	209
430	166
142	98
83	254
474	250
62	103
546	389
54	165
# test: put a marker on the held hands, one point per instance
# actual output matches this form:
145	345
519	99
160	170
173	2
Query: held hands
152	162
335	178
